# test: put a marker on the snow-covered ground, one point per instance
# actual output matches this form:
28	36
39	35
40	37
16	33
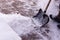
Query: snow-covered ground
6	32
25	27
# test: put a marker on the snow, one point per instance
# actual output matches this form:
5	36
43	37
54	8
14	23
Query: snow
19	22
54	30
6	32
13	26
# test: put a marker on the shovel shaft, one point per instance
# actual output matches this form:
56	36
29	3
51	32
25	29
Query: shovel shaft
47	6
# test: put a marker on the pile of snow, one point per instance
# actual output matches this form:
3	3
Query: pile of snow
21	24
6	32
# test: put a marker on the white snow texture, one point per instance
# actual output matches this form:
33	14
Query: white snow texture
16	26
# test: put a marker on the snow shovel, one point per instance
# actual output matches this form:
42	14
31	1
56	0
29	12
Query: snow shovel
42	16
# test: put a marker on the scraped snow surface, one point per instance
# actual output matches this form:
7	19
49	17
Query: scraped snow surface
22	25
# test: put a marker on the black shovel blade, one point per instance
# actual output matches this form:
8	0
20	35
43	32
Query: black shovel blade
39	14
42	17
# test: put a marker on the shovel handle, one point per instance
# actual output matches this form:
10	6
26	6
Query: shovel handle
47	6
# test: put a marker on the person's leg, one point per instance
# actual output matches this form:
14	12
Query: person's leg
59	6
58	26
